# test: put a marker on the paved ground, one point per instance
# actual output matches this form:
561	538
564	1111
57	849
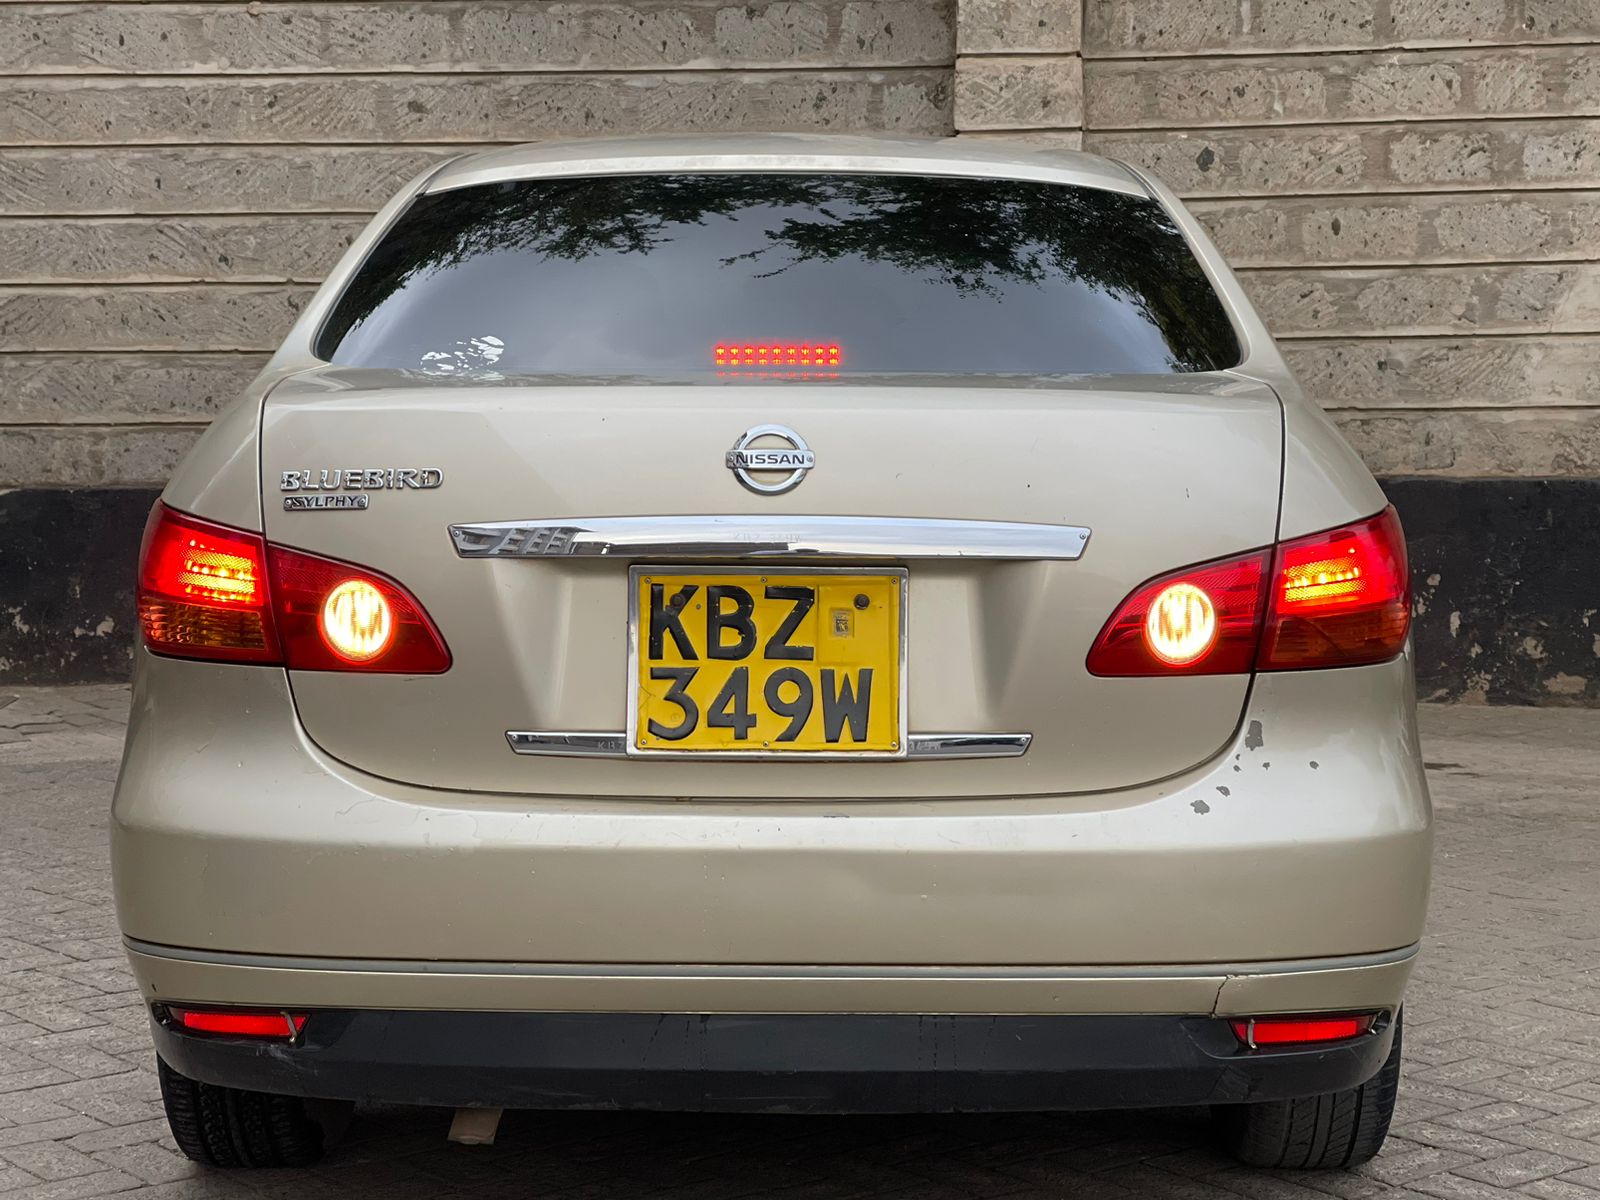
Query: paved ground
1501	1095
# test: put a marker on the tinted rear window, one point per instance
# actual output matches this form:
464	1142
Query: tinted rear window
652	273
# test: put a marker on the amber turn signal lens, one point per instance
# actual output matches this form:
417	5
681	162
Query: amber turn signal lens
356	621
1181	624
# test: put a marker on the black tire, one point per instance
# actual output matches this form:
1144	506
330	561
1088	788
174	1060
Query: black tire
1337	1129
230	1127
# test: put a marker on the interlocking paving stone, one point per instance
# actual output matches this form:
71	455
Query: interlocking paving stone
1501	1093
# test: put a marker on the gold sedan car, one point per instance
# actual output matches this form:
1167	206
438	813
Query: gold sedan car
786	624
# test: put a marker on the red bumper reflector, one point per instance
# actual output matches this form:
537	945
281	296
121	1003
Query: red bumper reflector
1297	1031
234	1023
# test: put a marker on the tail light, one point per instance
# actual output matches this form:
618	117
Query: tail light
213	592
203	590
1339	598
1203	620
336	617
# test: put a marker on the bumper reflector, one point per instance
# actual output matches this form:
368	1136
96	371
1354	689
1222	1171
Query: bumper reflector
285	1026
1300	1031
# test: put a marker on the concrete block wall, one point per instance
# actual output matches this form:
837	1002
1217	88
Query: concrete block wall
1410	188
1411	191
175	177
1019	70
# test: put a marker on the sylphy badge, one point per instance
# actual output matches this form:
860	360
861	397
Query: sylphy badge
348	487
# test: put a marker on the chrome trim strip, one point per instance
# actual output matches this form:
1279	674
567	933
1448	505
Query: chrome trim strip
970	745
568	744
738	536
766	970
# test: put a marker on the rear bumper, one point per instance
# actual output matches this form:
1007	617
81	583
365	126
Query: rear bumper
1307	837
772	1062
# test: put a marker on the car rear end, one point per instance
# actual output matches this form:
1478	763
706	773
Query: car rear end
792	626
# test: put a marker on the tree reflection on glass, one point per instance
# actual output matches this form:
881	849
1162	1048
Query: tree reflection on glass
980	238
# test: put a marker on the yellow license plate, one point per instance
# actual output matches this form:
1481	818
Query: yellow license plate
759	662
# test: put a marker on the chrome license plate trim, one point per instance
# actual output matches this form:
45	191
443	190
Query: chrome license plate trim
567	743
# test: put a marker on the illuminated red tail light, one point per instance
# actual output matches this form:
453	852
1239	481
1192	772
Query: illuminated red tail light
235	1022
1295	1031
1339	598
213	592
203	590
306	591
1136	641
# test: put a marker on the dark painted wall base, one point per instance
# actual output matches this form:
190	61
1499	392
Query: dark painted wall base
1507	574
67	562
1507	579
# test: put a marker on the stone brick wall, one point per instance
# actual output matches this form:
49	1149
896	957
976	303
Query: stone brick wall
1409	187
174	177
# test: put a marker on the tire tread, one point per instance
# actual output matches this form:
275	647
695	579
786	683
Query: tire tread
231	1127
1330	1131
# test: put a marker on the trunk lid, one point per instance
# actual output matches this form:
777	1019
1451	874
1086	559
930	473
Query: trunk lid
1165	471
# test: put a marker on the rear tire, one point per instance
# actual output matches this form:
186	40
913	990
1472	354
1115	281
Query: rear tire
230	1127
1333	1130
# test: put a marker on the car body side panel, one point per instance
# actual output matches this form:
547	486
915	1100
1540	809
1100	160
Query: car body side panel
1322	475
220	478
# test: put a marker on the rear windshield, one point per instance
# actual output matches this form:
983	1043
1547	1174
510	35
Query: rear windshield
779	273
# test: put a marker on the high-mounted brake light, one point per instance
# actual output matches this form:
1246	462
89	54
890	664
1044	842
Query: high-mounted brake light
1340	598
1295	1031
213	592
777	354
235	1022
